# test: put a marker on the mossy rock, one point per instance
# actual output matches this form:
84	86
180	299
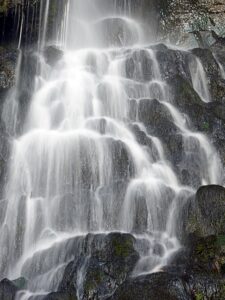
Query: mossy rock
154	286
207	212
107	260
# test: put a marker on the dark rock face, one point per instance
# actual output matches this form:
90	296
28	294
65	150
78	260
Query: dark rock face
173	62
8	290
187	21
154	287
158	121
156	117
13	11
203	261
8	61
61	296
206	216
106	261
211	67
206	287
52	55
206	254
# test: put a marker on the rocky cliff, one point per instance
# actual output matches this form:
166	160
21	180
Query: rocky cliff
187	21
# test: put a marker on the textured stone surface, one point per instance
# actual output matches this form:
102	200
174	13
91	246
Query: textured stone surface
182	17
207	213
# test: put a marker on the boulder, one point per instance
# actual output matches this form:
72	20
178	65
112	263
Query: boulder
207	211
156	117
8	290
52	55
106	262
159	122
173	62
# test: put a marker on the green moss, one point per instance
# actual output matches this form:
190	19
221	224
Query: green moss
122	249
20	283
221	240
222	292
94	279
199	296
3	6
206	249
205	126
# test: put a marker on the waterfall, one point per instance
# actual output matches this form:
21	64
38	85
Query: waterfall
78	166
199	80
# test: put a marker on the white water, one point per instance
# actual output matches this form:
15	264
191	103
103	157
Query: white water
78	167
199	80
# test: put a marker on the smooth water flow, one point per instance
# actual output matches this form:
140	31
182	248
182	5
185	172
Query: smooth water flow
79	166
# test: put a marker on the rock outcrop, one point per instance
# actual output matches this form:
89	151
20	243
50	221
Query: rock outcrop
207	212
187	21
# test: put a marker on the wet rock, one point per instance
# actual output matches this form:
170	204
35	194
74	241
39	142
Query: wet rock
20	283
156	117
106	262
28	71
173	63
204	117
159	122
188	102
123	167
206	254
219	53
117	32
206	286
211	67
155	286
52	55
8	290
201	265
61	296
183	94
8	61
5	145
139	65
207	211
179	19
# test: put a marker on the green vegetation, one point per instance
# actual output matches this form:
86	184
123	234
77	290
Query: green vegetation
205	126
3	6
122	249
199	296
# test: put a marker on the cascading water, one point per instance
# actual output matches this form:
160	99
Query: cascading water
199	80
78	166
